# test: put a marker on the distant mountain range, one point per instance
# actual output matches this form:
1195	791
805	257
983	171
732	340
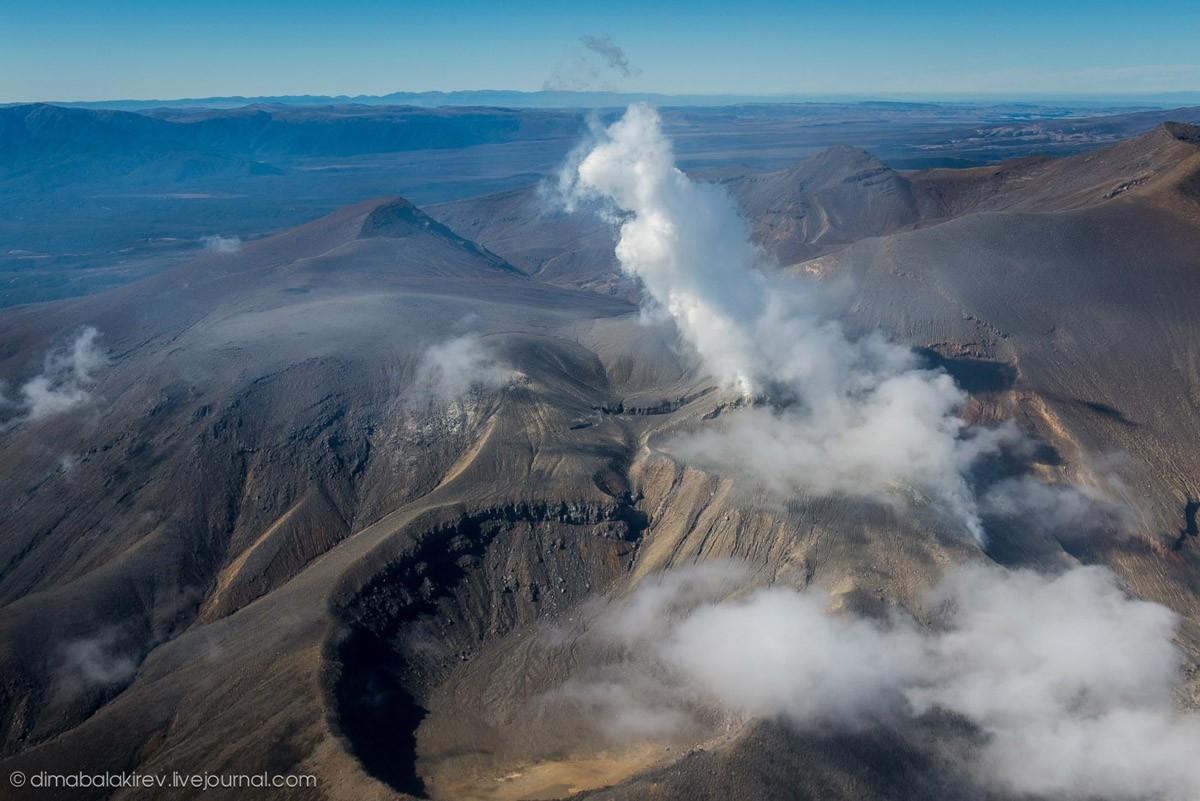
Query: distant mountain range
94	198
567	99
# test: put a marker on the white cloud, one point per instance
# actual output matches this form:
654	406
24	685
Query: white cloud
1066	675
222	244
449	370
1069	681
64	383
101	660
1064	511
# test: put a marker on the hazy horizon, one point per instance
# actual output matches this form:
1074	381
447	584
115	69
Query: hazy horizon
543	98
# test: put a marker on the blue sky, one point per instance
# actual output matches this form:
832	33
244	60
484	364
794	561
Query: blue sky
139	49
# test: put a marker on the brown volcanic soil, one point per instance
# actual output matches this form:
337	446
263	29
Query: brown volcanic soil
286	565
836	197
1152	162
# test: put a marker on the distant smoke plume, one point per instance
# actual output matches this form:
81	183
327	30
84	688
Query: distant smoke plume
222	244
598	64
859	417
64	383
1069	681
607	49
450	369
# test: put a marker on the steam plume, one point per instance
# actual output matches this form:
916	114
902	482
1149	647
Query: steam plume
848	416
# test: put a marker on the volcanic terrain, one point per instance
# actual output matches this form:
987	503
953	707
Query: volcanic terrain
277	531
